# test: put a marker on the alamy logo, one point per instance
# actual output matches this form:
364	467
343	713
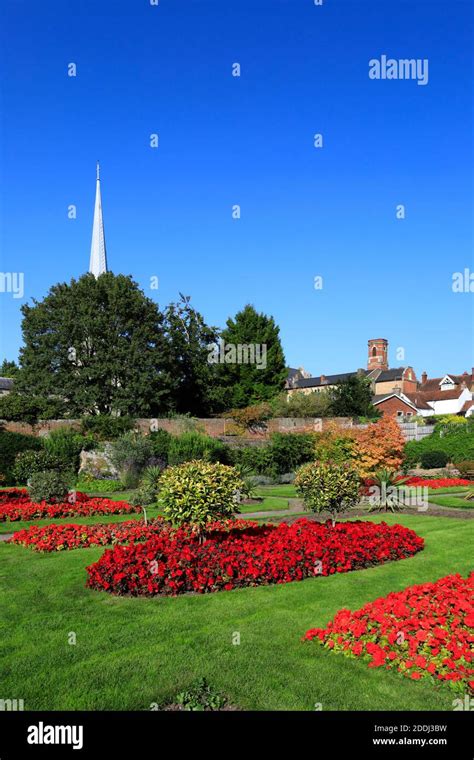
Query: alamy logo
238	353
402	68
42	734
11	705
12	282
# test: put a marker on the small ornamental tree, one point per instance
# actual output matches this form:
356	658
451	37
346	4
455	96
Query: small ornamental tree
327	486
200	492
379	446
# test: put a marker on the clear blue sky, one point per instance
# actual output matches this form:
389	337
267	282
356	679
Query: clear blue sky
248	141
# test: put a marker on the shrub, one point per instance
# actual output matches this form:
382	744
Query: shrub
290	450
466	468
433	459
28	463
12	444
327	486
130	454
334	445
66	445
257	459
106	428
379	446
458	444
194	445
160	440
301	404
99	485
199	492
251	417
48	486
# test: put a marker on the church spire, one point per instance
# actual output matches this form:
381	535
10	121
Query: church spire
98	260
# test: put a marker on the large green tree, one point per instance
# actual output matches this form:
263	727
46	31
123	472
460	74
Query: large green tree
189	338
353	398
250	360
9	369
97	344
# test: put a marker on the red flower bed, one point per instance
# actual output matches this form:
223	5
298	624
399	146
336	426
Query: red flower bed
423	631
55	538
19	507
438	482
176	562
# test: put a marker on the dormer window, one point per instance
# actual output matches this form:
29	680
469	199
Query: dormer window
447	384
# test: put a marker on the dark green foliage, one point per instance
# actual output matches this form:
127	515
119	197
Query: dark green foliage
458	446
256	459
8	369
106	428
430	460
160	440
193	445
66	445
28	463
246	384
290	450
130	454
99	343
24	407
12	444
353	398
50	486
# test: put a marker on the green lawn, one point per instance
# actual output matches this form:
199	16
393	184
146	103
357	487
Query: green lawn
451	501
134	652
286	491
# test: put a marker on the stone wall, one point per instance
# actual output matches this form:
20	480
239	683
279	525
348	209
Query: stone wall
215	427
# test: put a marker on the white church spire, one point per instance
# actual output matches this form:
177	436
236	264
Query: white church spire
98	261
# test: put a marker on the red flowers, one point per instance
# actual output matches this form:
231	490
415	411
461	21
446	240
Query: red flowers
437	482
239	554
15	504
50	538
423	631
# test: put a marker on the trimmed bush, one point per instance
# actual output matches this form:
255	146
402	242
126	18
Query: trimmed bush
200	492
12	444
328	486
48	486
431	460
28	463
194	445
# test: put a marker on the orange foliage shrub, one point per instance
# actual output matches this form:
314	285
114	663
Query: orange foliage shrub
378	446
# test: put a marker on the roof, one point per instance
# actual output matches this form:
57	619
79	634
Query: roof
391	374
323	380
441	395
379	399
6	383
432	384
467	405
419	400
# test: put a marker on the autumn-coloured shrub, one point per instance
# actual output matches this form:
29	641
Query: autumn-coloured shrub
379	446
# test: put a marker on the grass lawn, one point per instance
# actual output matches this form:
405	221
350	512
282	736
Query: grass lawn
134	652
286	491
451	501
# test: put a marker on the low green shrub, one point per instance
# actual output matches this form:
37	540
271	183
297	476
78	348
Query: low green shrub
106	428
431	460
28	463
199	492
12	444
160	440
257	459
48	486
66	444
194	445
99	485
458	445
130	454
290	450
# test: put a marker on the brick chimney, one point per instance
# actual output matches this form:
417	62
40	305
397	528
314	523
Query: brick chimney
424	378
323	379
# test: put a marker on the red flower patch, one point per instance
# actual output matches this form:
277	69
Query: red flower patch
246	554
56	538
437	482
424	631
17	505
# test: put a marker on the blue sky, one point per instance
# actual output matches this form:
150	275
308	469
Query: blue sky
223	140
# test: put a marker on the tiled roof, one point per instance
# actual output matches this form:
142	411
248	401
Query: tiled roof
418	400
316	382
378	399
432	384
391	374
6	384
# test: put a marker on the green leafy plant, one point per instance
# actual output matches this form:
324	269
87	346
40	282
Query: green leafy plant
48	486
199	492
130	454
385	491
12	444
160	441
99	485
200	696
328	486
431	460
105	427
193	445
66	445
28	463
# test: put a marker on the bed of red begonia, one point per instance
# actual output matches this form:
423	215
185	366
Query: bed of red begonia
437	482
15	504
424	631
56	538
177	561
